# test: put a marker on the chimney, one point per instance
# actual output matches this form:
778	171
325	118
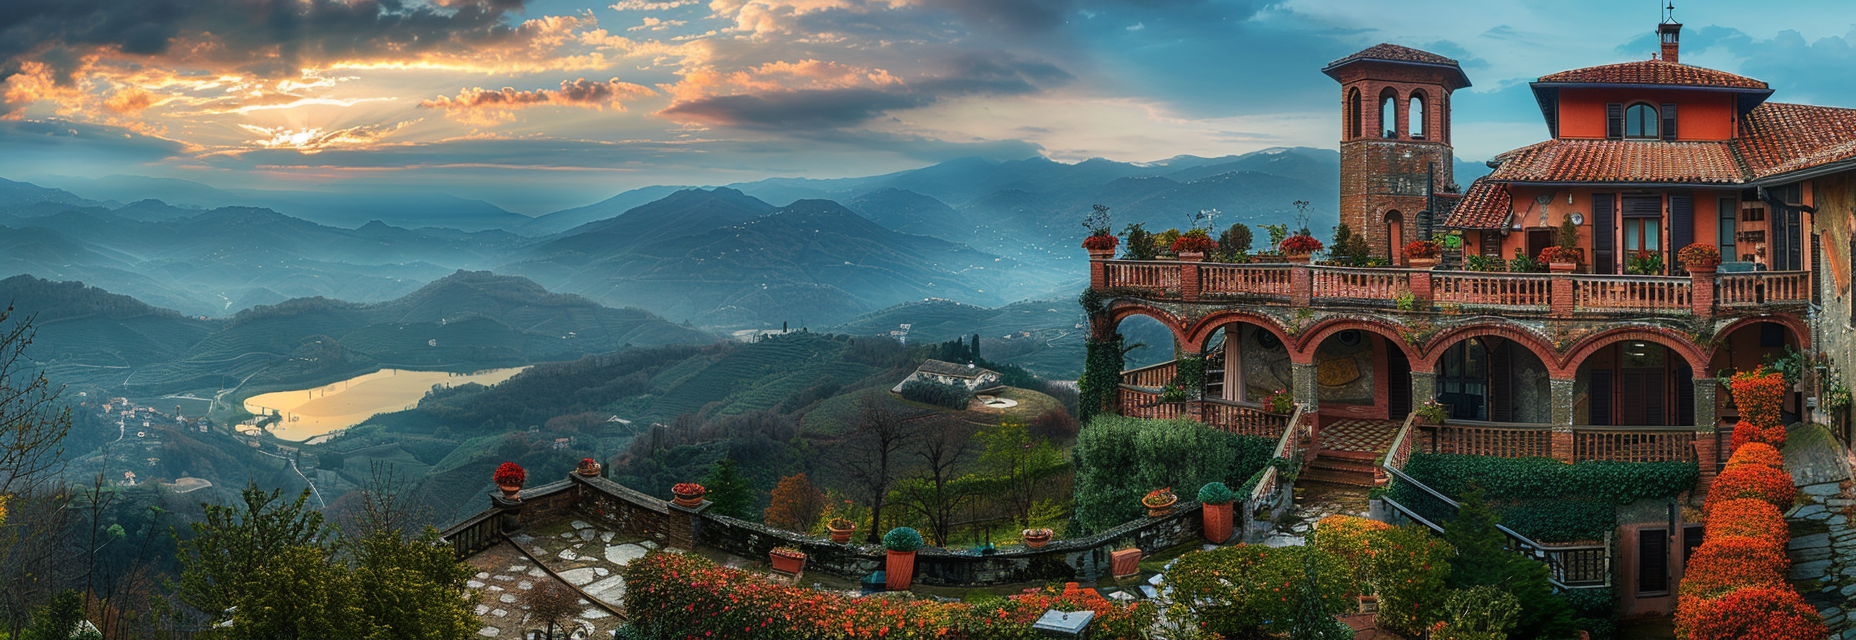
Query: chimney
1671	35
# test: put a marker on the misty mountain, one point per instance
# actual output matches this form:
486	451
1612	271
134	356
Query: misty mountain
345	209
612	207
82	327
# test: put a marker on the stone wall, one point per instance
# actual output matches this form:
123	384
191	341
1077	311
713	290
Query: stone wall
633	512
1823	545
1834	328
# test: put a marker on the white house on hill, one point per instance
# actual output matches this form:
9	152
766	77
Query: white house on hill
968	376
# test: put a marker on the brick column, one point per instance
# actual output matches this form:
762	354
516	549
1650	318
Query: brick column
1701	298
1559	394
1421	287
1189	286
1562	301
1304	388
1195	410
1301	285
1423	388
1707	455
1562	444
1098	272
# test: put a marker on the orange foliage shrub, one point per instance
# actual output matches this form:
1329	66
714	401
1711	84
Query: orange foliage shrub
1760	395
1348	537
1757	453
796	504
1752	481
1750	518
1753	613
1726	563
1746	433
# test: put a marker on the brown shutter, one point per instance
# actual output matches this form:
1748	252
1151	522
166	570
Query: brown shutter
1669	122
1501	394
1604	232
1681	227
1614	121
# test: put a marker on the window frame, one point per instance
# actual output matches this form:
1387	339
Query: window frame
1654	121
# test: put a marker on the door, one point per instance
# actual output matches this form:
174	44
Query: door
1398	384
1538	239
1643	225
1652	561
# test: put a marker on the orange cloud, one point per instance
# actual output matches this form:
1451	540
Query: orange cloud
314	139
484	106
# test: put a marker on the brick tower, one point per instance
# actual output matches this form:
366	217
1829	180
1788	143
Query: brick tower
1395	132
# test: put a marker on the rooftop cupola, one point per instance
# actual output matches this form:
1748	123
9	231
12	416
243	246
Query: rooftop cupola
1670	33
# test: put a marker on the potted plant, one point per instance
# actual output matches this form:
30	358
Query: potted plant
1644	262
1038	537
1194	244
787	559
1279	402
509	477
1431	412
1216	499
1101	242
1159	501
841	530
1298	247
1700	257
899	567
688	494
1560	259
588	468
1421	254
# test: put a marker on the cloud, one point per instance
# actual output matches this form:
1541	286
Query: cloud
314	139
834	107
483	106
646	5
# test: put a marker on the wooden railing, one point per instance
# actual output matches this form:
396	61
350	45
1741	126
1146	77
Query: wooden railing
1271	491
1634	444
1153	376
1243	418
1380	286
1141	403
1400	451
1762	287
1498	439
1631	293
1245	279
476	534
1491	290
1159	274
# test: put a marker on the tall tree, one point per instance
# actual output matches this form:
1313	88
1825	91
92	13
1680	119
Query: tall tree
1484	560
300	593
796	504
232	545
732	494
1018	464
937	492
871	453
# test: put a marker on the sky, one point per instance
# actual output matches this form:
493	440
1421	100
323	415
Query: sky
539	105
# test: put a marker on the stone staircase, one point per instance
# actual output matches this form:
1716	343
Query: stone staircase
1344	468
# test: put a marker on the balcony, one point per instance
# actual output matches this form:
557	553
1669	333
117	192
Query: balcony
1527	294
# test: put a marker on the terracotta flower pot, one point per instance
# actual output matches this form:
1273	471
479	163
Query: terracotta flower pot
1191	256
1420	263
1297	258
1153	511
787	564
1101	254
1037	541
1218	522
841	536
1562	267
1701	267
899	570
591	471
511	491
689	500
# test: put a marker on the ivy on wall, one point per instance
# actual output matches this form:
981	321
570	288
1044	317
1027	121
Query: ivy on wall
1096	389
1586	494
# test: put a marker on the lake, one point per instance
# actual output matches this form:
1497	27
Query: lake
308	413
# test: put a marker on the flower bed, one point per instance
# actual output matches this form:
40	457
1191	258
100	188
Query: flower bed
688	596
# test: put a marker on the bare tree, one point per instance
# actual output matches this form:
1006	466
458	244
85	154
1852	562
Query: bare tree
870	457
384	505
32	422
937	491
551	602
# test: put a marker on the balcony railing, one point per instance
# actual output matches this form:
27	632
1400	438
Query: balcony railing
1242	418
1541	294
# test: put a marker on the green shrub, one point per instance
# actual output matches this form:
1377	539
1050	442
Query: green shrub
1216	493
902	540
1409	571
1120	459
1478	613
935	393
1512	479
1553	520
1249	591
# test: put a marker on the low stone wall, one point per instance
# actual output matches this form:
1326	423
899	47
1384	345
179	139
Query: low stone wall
633	512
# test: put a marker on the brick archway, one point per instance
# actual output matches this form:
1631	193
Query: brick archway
1304	351
1799	331
1534	342
1569	366
1208	325
1119	311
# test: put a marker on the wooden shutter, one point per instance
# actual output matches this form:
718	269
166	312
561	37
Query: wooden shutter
1684	381
1669	122
1398	384
1614	121
1501	393
1681	227
1604	232
1601	397
1652	561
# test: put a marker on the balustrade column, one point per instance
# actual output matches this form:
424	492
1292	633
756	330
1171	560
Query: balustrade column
1701	297
1562	302
1189	283
1420	283
1705	390
1098	272
1301	285
1302	384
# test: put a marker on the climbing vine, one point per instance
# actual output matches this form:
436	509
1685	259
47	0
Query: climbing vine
1101	378
1188	379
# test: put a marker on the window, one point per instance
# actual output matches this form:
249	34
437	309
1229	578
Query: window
1415	116
1643	122
1652	561
1641	233
1353	110
1724	229
1388	113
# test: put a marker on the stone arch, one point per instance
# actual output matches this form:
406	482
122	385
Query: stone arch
1791	323
1536	343
1417	113
1208	325
1568	366
1119	311
1304	351
1353	112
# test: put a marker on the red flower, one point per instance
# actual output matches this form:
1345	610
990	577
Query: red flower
1753	613
1101	242
1756	453
1752	481
1300	244
509	475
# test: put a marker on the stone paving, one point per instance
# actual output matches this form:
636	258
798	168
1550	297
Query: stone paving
1823	545
504	574
1366	436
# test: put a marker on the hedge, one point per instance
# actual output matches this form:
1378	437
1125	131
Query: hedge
1253	591
1758	482
1754	613
1119	459
1757	453
1511	479
677	595
1722	564
1750	518
935	393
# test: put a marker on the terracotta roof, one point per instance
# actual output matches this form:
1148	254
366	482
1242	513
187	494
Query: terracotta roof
1639	161
1393	52
1780	138
1654	72
1485	205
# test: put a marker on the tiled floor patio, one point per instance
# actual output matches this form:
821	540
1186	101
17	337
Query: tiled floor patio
1366	436
581	555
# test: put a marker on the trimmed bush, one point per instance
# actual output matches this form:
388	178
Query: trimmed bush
1754	613
935	393
1750	518
1757	453
1120	459
1758	482
1760	396
1726	563
1512	479
1216	493
903	540
1250	591
1746	433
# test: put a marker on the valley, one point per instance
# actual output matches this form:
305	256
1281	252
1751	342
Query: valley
305	414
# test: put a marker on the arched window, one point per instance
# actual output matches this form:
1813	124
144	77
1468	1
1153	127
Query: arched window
1642	121
1353	111
1415	115
1388	112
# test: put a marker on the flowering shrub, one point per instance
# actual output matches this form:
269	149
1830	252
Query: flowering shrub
1644	262
1300	244
1725	563
1750	518
1421	249
1350	538
1433	411
1195	241
1753	613
1748	433
1281	401
1101	241
1700	253
1159	498
687	489
1253	591
1760	395
1752	481
509	475
1756	453
687	596
1558	254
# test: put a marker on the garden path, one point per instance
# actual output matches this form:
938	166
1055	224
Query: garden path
1823	545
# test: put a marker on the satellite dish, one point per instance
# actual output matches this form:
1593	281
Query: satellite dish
1578	219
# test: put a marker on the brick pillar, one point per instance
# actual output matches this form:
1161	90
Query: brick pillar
1421	287
1189	286
1098	272
1559	393
1423	388
1707	455
1562	295
1195	410
1301	285
1705	415
1701	297
1304	388
1562	444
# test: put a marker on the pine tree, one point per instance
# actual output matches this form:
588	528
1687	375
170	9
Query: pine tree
732	494
975	351
1313	621
1484	560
